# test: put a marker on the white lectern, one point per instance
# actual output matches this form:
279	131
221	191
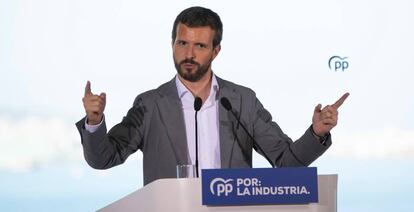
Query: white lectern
184	195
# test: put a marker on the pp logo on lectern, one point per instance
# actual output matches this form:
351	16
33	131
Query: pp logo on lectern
338	63
220	186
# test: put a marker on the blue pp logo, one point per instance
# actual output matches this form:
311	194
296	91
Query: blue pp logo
220	186
338	63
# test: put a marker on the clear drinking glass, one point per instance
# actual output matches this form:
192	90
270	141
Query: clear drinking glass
186	171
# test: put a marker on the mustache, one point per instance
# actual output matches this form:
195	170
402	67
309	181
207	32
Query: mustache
191	61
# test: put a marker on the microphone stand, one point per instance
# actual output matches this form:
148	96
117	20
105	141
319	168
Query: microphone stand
197	105
227	105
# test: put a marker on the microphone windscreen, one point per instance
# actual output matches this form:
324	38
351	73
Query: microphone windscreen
226	103
197	103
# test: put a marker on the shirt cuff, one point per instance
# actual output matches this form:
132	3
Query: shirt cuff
92	128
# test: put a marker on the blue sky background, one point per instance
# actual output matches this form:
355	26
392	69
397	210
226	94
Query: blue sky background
49	49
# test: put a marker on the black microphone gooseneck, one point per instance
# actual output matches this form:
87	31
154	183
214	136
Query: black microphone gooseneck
197	105
227	105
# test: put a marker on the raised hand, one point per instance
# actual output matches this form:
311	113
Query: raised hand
94	105
325	119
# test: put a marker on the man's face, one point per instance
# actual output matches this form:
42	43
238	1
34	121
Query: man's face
193	51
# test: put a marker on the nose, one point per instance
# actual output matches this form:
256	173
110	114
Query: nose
189	54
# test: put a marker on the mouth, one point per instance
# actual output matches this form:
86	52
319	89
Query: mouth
188	66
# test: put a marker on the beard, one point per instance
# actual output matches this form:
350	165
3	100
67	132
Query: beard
200	71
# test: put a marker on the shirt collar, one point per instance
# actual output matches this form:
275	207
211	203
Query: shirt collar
182	90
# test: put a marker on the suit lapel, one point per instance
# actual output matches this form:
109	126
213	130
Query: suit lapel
227	121
171	115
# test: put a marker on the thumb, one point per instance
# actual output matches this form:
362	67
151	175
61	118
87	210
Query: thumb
103	96
318	108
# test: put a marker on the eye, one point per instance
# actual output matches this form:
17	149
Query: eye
201	46
181	43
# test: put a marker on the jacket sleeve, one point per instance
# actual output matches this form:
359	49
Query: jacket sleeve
281	150
103	150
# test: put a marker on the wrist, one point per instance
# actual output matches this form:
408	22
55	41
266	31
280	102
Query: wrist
94	121
315	132
321	138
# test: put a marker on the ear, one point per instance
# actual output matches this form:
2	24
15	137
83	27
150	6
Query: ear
216	51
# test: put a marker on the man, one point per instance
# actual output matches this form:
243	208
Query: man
161	122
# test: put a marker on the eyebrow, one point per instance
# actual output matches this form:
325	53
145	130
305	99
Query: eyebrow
205	44
179	40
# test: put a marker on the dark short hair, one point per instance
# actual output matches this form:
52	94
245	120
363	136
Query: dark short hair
199	17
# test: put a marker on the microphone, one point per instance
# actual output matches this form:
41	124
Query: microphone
227	105
197	105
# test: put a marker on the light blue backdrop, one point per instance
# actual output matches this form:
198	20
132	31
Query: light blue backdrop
281	49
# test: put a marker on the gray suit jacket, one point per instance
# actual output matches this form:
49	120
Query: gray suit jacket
155	125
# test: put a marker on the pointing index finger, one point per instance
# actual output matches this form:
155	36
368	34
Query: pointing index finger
340	101
88	88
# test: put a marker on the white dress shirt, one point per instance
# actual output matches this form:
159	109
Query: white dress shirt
208	126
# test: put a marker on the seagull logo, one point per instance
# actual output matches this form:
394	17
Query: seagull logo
221	186
338	62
